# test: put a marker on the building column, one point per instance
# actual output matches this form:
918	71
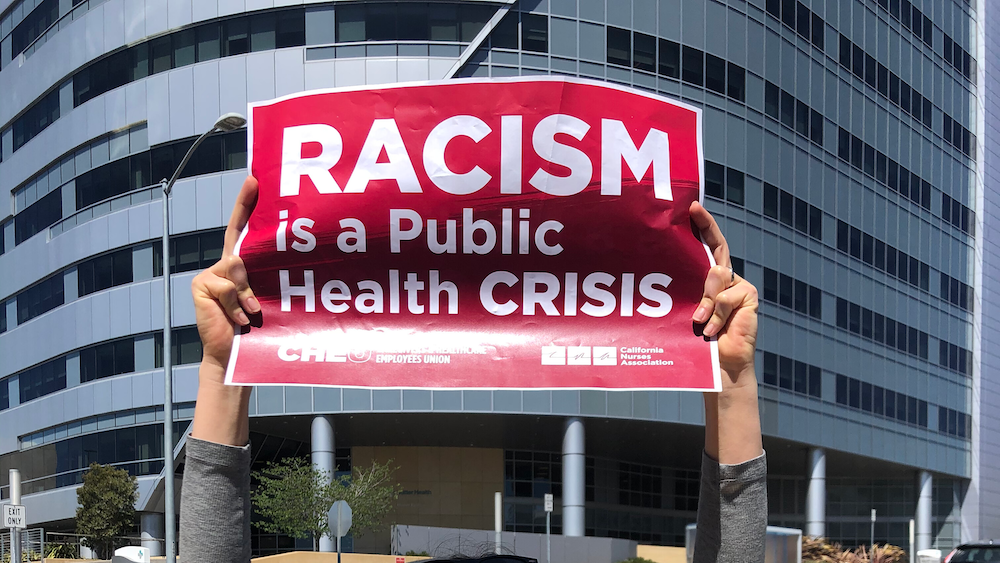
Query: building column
925	497
816	494
574	478
153	530
323	459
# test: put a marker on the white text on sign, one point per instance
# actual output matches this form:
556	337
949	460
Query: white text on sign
13	516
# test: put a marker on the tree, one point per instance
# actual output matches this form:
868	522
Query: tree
292	497
106	510
371	493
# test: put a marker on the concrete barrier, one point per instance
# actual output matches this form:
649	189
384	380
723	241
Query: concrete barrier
452	542
662	554
314	557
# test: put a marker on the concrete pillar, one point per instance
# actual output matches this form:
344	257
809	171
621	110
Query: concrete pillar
324	459
816	494
925	505
152	530
574	478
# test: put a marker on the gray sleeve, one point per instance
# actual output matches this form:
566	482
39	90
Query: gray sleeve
732	512
215	503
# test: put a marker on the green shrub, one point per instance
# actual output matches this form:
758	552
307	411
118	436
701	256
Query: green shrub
637	560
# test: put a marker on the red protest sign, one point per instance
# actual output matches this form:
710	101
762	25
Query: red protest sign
528	233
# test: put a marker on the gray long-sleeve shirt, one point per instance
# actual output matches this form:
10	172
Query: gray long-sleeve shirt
215	507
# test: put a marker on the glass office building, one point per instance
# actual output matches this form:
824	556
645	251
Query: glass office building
847	147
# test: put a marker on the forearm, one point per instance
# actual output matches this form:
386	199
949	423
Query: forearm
215	503
221	413
215	496
732	512
732	420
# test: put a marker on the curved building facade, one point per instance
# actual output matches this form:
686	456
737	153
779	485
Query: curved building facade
846	160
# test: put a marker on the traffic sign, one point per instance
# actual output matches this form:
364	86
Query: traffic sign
548	503
340	515
13	516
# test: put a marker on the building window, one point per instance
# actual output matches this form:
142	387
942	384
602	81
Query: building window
880	401
217	153
725	183
42	380
112	179
190	252
113	71
532	474
504	35
619	495
351	23
792	293
107	359
138	450
405	22
693	66
534	33
40	298
792	375
644	52
42	114
772	101
793	212
619	46
34	25
235	37
185	347
285	28
38	216
954	423
209	42
956	292
640	485
874	326
103	272
736	85
787	110
715	74
670	58
4	395
955	358
872	251
870	71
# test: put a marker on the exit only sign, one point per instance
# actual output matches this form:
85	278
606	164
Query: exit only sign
13	516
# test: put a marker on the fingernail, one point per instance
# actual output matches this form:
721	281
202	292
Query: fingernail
242	318
253	304
700	314
711	328
698	328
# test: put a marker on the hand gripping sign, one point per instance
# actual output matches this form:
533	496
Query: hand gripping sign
529	233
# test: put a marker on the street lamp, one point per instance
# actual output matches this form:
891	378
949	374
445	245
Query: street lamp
227	122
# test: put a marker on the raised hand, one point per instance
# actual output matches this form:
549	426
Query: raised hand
223	301
729	310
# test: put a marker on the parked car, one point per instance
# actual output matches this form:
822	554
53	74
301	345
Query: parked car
981	551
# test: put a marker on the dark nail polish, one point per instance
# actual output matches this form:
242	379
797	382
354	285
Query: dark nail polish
698	328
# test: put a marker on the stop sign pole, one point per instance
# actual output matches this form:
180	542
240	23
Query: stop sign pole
15	499
548	528
339	517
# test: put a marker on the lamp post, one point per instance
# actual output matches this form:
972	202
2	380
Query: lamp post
227	122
